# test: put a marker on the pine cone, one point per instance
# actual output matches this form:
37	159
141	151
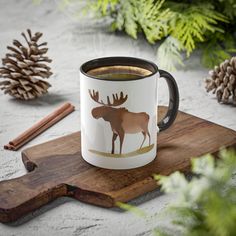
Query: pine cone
24	67
223	81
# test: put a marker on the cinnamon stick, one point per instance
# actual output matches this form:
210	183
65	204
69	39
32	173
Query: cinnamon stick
40	126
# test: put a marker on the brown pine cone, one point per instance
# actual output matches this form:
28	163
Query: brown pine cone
24	68
223	81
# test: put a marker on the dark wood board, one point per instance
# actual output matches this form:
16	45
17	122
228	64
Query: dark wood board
56	168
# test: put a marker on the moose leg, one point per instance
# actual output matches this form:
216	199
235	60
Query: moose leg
113	142
144	137
121	136
149	138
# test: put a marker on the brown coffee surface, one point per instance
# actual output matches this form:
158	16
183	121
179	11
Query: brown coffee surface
119	72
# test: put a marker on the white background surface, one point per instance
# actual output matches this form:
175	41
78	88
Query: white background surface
71	43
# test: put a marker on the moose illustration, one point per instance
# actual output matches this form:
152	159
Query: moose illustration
121	120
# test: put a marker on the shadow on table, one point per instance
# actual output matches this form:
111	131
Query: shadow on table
63	200
47	99
40	211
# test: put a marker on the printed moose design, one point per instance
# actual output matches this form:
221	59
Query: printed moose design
121	120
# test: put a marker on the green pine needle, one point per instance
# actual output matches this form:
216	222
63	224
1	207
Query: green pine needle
193	22
144	15
182	26
206	205
214	51
169	54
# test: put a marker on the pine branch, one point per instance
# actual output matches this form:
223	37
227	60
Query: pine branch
153	19
169	54
129	18
147	16
227	7
193	23
206	205
217	49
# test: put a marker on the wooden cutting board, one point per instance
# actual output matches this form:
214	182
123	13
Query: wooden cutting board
56	168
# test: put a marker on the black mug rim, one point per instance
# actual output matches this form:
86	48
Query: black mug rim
121	61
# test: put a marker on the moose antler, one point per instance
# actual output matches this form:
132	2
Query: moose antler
117	101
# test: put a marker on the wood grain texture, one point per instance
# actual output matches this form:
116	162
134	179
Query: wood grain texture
56	168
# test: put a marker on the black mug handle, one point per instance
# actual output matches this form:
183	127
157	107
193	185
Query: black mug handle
172	111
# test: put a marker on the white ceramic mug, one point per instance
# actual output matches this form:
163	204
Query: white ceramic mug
119	116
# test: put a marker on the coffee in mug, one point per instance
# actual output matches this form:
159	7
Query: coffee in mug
119	72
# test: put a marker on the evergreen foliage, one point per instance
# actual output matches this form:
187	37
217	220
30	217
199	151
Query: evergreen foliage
183	25
206	205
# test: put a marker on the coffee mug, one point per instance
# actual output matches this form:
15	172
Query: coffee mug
118	97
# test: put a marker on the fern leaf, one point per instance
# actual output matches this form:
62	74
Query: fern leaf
213	56
172	183
218	208
147	16
106	6
125	18
191	25
130	23
204	165
169	54
152	19
217	49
